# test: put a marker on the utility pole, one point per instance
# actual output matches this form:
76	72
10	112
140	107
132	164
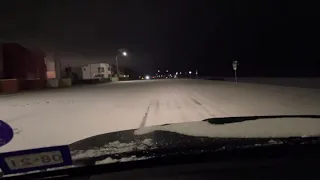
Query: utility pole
123	53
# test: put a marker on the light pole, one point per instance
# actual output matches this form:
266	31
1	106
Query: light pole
190	74
123	53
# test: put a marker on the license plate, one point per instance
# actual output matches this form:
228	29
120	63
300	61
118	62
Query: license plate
35	159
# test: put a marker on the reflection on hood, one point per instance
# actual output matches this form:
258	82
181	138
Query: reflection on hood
217	134
259	128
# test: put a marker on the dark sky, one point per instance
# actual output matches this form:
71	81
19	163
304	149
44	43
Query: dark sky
268	38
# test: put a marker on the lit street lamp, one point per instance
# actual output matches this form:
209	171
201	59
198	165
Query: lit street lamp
190	74
123	53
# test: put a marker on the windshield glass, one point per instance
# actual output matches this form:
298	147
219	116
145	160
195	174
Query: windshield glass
72	70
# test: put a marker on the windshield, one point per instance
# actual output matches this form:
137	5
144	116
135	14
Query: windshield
71	70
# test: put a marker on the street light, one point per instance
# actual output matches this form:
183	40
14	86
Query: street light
190	74
123	53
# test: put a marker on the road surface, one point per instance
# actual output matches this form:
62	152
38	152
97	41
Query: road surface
63	116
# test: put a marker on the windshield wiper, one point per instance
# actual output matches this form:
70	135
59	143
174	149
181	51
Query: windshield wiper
229	120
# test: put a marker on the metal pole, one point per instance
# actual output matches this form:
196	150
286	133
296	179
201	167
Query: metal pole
117	66
235	75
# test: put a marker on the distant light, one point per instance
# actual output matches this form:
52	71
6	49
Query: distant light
190	72
124	53
176	73
158	70
180	72
147	77
167	71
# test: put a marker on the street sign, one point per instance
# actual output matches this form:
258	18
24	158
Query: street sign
6	133
235	65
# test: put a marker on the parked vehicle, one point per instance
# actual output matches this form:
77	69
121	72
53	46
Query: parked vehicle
96	71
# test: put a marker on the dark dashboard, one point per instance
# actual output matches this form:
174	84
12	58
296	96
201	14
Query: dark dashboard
277	161
271	169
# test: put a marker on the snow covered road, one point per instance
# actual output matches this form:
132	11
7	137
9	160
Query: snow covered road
63	116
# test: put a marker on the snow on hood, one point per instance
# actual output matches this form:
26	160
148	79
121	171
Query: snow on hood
113	148
125	159
263	128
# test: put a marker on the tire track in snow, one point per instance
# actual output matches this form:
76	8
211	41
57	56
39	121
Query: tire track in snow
144	118
199	104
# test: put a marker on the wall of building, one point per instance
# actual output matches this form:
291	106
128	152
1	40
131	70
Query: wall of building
77	61
86	72
22	63
50	64
1	62
91	70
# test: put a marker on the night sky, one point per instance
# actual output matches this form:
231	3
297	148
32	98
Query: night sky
268	38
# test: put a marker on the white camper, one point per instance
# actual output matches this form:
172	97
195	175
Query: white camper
96	71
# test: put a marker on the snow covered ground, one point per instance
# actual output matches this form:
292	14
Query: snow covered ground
63	116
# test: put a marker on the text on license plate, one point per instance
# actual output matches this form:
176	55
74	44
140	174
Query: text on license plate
34	160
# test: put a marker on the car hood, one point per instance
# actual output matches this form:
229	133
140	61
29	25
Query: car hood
218	133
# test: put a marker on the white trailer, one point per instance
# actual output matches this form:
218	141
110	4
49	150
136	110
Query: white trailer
96	71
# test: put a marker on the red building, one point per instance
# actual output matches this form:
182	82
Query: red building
25	65
22	63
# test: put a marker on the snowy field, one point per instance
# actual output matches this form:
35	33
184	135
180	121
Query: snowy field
63	116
